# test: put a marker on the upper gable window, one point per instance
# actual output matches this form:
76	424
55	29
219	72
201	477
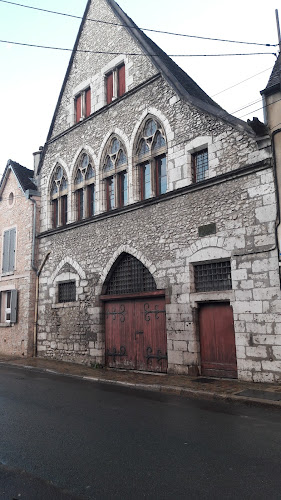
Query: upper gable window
200	165
59	188
84	182
151	159
83	105
115	83
115	175
9	251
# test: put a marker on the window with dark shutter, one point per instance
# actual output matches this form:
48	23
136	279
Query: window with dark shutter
109	88
121	80
9	250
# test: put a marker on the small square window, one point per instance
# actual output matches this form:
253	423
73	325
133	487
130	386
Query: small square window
200	165
67	292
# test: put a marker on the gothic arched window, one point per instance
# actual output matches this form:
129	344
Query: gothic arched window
115	175
84	187
151	160
59	188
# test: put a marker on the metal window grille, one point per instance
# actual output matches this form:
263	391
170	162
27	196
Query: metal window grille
67	291
213	277
130	276
200	165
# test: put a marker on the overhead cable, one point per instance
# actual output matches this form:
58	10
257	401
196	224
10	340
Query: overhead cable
87	51
242	81
135	27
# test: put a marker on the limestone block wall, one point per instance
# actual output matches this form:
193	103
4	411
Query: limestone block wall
187	130
163	234
17	339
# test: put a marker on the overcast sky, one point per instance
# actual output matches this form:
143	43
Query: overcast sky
31	78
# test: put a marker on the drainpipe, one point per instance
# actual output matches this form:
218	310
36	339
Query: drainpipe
277	131
36	304
38	272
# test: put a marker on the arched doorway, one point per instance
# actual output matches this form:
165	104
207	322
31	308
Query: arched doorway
135	318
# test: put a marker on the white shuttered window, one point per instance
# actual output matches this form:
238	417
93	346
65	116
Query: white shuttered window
9	250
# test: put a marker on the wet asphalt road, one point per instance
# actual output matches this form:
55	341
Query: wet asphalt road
101	442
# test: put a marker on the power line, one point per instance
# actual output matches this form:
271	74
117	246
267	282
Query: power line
262	107
132	53
134	27
244	107
239	83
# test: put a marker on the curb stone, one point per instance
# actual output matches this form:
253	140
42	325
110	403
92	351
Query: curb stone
165	389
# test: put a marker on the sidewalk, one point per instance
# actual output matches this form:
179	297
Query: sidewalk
195	387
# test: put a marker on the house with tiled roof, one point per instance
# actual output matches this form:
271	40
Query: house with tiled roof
19	219
158	215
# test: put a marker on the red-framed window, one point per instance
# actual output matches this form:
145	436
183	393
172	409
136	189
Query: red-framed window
145	174
110	193
115	83
83	105
79	203
123	188
161	175
64	210
78	108
55	214
121	82
91	200
87	102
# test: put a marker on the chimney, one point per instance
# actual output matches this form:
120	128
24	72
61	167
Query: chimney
37	156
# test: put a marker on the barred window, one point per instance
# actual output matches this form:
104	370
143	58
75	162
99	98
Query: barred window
130	276
67	291
213	277
200	164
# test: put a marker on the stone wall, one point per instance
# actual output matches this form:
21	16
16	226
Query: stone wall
163	234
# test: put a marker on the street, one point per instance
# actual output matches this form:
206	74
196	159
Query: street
69	438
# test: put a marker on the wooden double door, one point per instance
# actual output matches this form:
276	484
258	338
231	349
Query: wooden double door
135	333
217	340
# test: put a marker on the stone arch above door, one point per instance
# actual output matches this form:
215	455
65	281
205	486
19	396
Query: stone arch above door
128	276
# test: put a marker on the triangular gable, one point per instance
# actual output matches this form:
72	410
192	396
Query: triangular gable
174	75
23	175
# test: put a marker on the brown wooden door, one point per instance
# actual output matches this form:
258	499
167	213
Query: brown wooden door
136	334
217	340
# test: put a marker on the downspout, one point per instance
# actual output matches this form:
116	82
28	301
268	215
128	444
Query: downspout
38	272
277	131
36	304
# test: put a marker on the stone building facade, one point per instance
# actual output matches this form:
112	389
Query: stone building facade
19	220
158	215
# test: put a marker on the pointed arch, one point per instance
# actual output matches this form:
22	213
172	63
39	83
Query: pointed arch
71	262
129	250
58	195
114	173
85	148
128	275
83	182
123	138
160	117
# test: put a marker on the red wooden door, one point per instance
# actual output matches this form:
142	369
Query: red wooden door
136	334
217	340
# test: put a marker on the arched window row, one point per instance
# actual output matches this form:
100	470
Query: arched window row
149	176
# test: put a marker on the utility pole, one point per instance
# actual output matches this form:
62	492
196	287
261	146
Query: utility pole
278	28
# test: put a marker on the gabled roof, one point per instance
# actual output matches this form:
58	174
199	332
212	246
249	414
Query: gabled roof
274	82
177	78
25	177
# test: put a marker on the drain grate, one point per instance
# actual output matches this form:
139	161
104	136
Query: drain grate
204	380
251	393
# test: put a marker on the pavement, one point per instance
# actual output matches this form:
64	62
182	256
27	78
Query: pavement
182	385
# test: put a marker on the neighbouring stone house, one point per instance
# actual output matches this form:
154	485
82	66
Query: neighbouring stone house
19	220
159	216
